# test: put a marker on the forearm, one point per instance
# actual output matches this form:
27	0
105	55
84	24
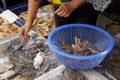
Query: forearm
33	6
76	3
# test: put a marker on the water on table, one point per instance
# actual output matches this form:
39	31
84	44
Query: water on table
110	67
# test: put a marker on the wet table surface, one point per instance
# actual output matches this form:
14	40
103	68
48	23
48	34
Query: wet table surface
110	67
25	60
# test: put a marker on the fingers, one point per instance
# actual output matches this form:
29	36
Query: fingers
63	13
59	9
64	10
23	34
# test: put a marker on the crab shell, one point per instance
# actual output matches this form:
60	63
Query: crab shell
38	60
4	67
7	74
5	64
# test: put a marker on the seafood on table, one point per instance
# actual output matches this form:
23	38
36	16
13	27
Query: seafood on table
80	47
44	21
38	60
7	29
7	74
64	73
117	40
110	67
24	76
26	61
3	50
70	74
5	64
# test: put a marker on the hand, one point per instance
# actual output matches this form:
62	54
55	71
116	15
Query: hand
64	10
23	32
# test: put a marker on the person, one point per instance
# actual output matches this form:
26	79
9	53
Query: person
70	11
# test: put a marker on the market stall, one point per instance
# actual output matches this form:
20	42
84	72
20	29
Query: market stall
19	61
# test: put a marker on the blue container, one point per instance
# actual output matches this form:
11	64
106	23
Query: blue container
93	34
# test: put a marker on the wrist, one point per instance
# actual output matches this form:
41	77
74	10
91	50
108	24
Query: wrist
76	3
28	24
72	5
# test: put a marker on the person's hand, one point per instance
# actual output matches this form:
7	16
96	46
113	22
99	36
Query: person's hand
64	10
23	32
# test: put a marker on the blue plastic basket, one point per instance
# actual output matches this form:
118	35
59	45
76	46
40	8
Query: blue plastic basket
93	34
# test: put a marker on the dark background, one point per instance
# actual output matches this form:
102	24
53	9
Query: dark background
11	3
113	7
112	10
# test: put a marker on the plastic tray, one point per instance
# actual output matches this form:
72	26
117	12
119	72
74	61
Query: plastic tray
53	63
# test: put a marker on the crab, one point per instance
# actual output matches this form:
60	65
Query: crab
3	50
80	47
70	74
7	74
38	60
5	64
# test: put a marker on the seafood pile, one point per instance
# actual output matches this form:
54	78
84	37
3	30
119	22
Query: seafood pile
7	29
110	67
69	74
79	47
44	21
21	60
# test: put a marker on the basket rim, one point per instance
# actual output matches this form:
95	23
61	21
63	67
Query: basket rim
105	52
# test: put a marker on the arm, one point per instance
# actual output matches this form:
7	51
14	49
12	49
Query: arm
76	3
33	6
66	9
